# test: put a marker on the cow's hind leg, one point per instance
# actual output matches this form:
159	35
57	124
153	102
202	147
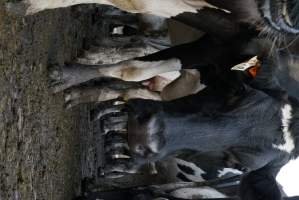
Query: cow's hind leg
130	70
107	90
136	69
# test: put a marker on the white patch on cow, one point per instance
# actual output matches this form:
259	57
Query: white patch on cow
170	8
289	144
134	70
225	171
165	8
118	30
198	172
288	177
196	193
171	75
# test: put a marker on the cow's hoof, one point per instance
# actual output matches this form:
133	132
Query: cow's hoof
118	159
116	122
58	78
65	77
115	142
116	168
116	146
114	106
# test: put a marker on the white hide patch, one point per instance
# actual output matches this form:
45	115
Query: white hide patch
171	75
135	70
289	144
225	171
288	177
165	8
196	193
170	8
198	172
118	30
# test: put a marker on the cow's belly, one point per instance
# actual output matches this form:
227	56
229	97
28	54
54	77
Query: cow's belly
165	8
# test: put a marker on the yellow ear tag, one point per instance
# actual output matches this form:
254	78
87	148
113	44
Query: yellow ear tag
247	64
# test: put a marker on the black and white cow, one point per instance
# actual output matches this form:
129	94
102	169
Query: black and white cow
280	15
253	119
256	122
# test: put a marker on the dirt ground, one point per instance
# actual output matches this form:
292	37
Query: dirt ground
46	150
40	143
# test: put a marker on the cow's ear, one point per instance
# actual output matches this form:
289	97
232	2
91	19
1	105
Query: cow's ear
259	185
250	66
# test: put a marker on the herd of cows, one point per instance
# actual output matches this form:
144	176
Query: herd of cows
220	114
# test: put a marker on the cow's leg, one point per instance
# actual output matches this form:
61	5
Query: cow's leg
104	91
137	69
131	70
188	83
260	184
81	95
204	193
199	53
169	191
